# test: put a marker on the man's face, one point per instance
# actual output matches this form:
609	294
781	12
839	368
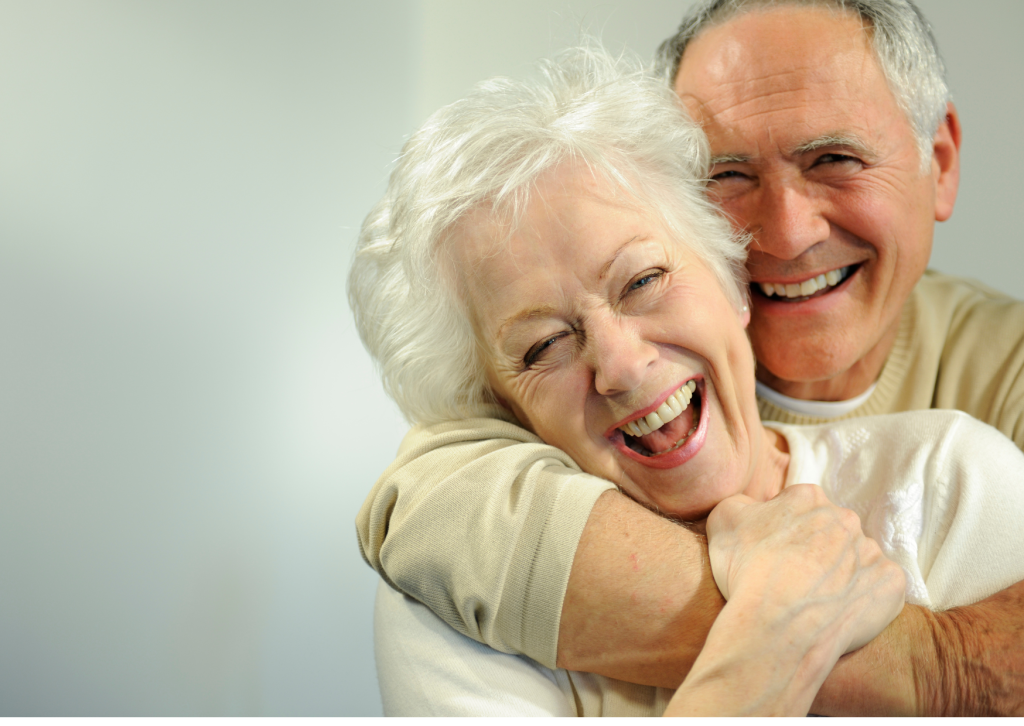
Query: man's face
815	159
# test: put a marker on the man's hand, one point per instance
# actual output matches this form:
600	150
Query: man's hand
803	585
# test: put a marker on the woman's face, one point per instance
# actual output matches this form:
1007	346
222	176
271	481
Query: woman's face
591	319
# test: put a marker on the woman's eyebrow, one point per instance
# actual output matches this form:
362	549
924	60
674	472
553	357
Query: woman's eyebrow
608	265
539	311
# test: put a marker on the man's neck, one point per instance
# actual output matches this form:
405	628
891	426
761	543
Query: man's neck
848	384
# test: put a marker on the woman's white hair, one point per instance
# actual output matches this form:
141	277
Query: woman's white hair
602	114
900	36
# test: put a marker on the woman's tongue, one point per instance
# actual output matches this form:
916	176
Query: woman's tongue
669	435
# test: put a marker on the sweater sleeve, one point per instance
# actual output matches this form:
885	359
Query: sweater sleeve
479	520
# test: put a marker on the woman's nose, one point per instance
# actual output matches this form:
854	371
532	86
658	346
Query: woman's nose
620	357
787	219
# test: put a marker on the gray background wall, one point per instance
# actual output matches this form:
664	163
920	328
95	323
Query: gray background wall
188	422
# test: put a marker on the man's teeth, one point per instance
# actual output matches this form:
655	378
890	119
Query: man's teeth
667	411
807	287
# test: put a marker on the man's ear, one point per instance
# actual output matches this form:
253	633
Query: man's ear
946	160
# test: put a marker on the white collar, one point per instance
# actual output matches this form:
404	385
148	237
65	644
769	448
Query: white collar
817	409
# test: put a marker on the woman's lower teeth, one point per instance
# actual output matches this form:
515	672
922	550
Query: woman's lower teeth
680	442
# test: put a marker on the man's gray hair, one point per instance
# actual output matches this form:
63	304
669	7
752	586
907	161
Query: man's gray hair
602	115
900	35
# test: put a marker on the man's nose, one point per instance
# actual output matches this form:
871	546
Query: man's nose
789	219
620	356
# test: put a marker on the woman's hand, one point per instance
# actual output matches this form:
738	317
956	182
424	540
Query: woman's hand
804	585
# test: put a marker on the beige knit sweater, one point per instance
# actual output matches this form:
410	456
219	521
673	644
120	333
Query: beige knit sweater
479	519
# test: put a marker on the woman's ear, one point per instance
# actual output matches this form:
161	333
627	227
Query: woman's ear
745	315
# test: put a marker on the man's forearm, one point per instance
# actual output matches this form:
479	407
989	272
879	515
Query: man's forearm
641	598
967	661
641	601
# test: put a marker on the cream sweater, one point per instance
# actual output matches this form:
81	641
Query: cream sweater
960	345
942	494
479	519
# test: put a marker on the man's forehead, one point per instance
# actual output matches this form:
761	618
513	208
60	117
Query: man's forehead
781	53
791	78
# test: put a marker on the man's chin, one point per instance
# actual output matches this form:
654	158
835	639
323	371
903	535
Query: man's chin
813	369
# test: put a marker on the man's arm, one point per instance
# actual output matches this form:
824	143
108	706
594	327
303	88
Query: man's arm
628	616
640	602
958	661
966	661
641	597
422	528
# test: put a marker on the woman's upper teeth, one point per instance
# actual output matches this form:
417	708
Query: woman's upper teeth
807	287
667	411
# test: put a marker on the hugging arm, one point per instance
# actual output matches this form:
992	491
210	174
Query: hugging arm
636	599
967	661
804	585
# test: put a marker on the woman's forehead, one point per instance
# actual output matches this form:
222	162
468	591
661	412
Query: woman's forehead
561	202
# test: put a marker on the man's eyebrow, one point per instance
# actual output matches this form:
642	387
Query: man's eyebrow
834	139
730	159
540	311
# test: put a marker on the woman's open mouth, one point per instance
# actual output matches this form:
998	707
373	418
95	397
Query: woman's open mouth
670	434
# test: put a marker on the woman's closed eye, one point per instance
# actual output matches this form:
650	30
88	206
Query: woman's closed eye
537	351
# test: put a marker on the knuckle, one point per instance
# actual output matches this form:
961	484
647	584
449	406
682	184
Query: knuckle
850	519
806	493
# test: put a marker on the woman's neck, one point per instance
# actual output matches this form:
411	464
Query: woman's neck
769	476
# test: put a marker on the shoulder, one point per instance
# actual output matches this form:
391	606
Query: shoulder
493	437
959	290
976	336
951	302
928	428
891	450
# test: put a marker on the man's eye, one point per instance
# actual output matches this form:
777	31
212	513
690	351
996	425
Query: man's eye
536	351
728	184
726	175
835	159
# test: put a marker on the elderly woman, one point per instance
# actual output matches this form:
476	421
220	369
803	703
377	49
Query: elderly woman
545	255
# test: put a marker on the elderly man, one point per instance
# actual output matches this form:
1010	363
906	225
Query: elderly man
836	148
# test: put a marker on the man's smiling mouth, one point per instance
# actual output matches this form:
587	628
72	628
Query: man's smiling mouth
812	287
669	426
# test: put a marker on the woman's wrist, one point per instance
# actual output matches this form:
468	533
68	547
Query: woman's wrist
759	661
